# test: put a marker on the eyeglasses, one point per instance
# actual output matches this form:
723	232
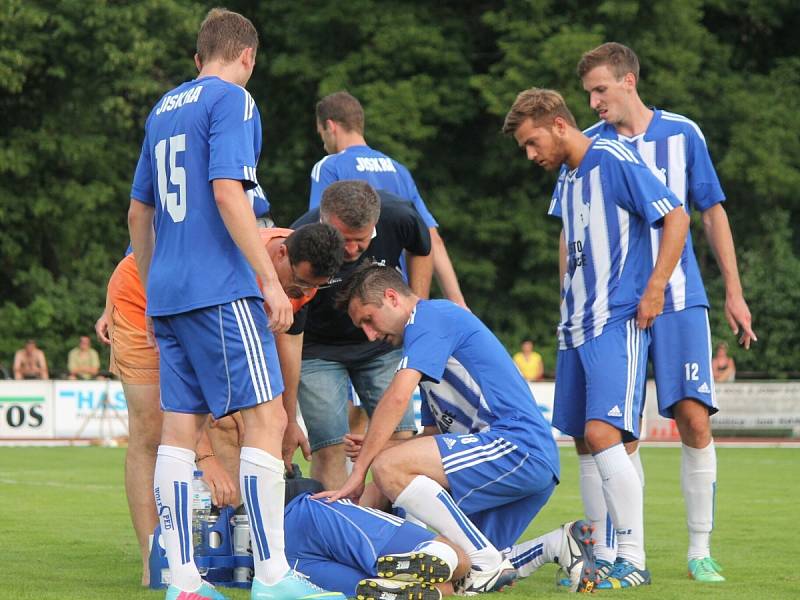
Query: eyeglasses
305	285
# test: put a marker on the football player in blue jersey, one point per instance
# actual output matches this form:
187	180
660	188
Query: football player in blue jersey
340	124
198	253
611	294
488	462
675	150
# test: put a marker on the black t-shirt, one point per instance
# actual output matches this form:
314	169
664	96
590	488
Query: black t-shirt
329	333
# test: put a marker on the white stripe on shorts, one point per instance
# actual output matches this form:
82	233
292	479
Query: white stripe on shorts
259	348
486	453
255	375
498	453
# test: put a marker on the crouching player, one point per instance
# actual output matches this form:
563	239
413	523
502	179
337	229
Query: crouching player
487	467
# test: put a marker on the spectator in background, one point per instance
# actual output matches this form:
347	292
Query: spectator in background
83	362
30	362
722	365
529	362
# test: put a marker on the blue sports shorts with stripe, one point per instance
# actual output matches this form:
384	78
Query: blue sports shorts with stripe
337	544
602	380
681	355
496	481
217	359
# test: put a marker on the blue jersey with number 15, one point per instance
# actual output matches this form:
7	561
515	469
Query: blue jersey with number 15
203	130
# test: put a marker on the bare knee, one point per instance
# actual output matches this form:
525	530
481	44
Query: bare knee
693	423
600	435
328	466
389	474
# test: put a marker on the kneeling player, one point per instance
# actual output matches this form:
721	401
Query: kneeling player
490	463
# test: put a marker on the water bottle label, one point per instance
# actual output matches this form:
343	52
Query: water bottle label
201	501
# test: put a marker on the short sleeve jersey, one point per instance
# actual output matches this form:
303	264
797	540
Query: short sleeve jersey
675	150
607	206
377	169
469	382
329	332
127	294
203	130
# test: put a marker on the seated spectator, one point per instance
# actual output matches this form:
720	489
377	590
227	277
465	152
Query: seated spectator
722	365
30	363
529	362
83	362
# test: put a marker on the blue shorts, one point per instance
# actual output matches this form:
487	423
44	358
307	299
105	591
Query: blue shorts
218	359
496	481
338	544
603	380
324	391
680	351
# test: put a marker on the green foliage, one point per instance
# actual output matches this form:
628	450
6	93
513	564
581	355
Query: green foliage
77	80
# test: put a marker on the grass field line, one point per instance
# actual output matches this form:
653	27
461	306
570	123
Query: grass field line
60	484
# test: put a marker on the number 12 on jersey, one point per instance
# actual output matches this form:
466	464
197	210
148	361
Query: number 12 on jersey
173	202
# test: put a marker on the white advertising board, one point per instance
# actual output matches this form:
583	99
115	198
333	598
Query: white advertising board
90	409
26	409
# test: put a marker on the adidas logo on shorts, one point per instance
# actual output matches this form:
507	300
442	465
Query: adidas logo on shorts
449	442
615	412
704	389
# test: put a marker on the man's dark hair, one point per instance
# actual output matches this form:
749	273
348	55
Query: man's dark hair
342	108
368	282
319	244
353	201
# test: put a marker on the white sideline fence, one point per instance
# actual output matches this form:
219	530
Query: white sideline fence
55	411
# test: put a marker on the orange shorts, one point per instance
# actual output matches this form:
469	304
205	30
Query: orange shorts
133	359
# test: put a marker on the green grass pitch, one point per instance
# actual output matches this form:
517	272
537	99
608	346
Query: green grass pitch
65	531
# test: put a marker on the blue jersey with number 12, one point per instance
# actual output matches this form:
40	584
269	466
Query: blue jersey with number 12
203	130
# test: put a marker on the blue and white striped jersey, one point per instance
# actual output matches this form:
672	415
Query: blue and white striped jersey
469	382
204	129
607	206
455	404
374	167
675	150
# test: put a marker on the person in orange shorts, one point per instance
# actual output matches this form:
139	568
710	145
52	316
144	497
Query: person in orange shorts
305	260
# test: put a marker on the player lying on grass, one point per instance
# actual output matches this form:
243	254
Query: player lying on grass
368	553
489	463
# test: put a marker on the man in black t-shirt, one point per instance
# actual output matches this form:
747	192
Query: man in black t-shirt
377	227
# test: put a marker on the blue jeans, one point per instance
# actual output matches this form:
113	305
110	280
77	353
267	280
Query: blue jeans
324	390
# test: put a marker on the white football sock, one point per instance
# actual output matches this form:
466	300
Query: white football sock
440	550
432	504
528	556
636	459
594	504
699	483
263	491
172	486
623	492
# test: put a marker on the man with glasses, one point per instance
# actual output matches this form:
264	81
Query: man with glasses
304	260
377	228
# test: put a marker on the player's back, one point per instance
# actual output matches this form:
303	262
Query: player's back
469	380
675	150
376	168
202	130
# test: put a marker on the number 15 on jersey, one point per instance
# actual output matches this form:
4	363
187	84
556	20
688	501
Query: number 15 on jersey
173	202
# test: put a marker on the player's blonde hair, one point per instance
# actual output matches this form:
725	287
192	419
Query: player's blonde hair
620	59
540	105
224	35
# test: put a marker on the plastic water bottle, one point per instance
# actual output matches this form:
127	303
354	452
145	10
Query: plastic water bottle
201	509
